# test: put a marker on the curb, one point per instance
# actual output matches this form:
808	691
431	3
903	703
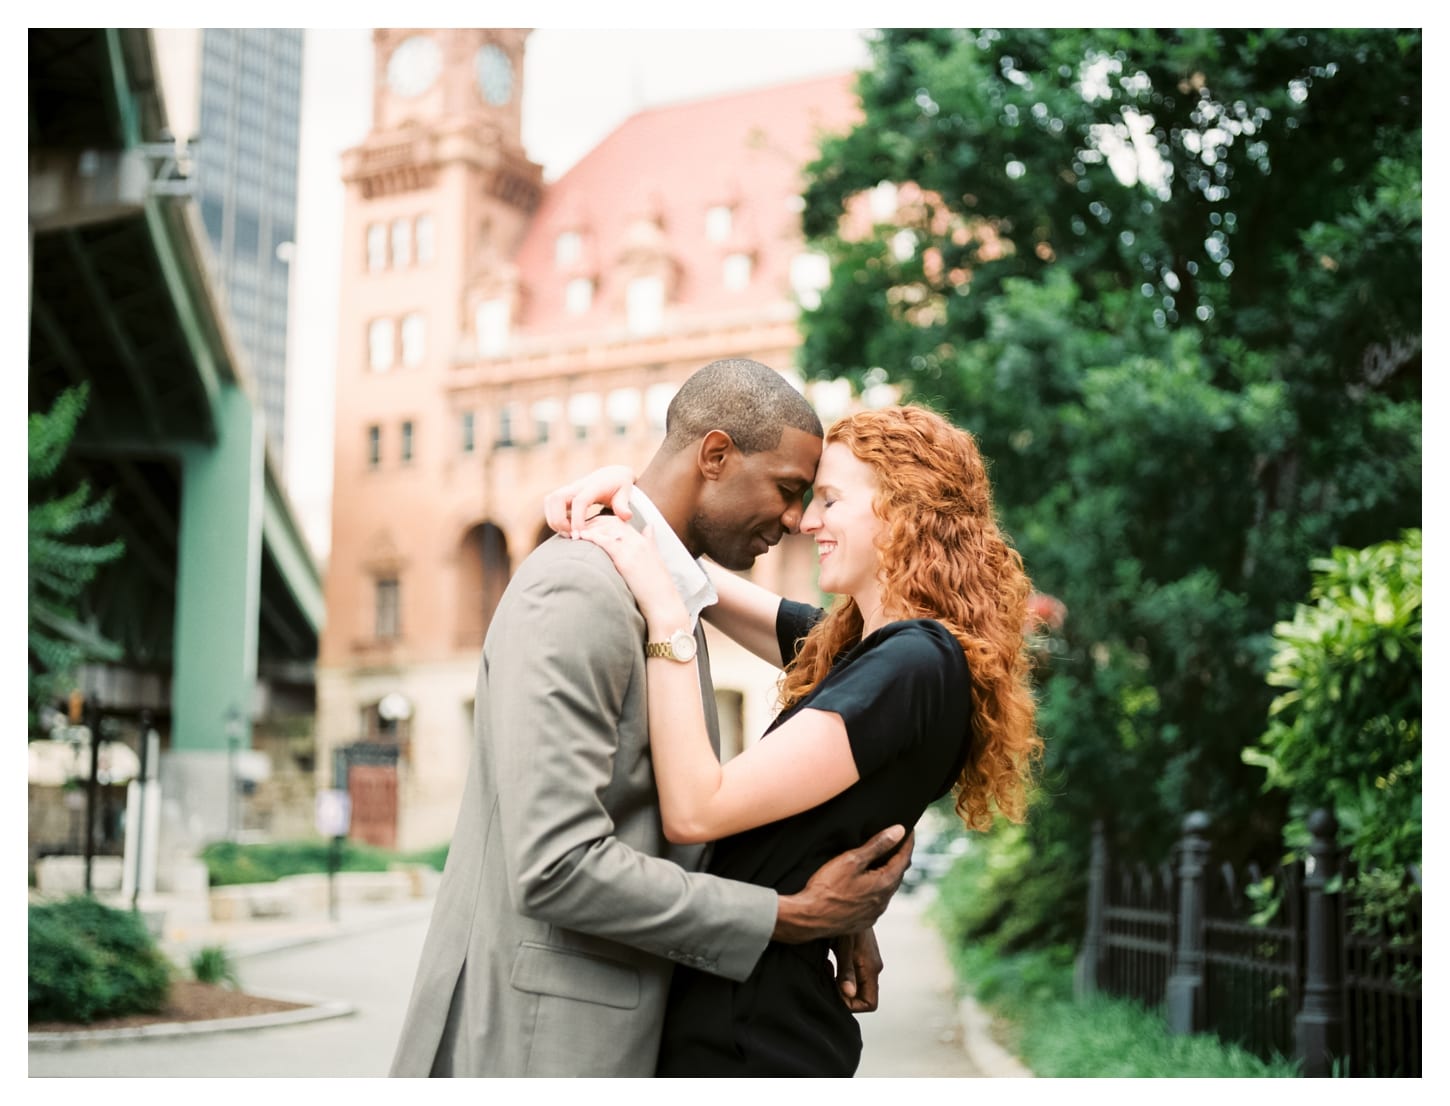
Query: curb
982	1048
316	1010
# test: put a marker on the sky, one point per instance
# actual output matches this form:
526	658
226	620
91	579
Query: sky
579	86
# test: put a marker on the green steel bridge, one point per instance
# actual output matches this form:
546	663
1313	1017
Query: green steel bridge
217	590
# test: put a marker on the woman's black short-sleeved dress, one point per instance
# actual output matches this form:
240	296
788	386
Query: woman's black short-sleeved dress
905	696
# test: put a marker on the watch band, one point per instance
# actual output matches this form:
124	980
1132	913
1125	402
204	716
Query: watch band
680	646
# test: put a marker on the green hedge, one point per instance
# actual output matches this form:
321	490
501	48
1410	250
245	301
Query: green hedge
88	961
229	863
1031	989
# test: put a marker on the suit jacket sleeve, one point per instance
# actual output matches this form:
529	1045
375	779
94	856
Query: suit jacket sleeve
559	679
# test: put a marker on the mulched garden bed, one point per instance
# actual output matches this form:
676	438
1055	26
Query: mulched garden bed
189	1001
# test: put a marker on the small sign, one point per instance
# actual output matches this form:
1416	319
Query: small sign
334	812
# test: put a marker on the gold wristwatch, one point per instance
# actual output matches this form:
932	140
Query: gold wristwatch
680	647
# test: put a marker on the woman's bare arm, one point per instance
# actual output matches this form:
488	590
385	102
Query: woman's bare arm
807	760
745	613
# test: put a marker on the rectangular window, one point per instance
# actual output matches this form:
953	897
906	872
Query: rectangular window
657	403
423	236
375	446
466	429
583	413
414	344
377	247
622	406
546	413
380	345
387	621
407	447
505	426
402	243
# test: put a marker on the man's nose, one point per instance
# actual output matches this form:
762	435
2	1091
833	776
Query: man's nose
793	517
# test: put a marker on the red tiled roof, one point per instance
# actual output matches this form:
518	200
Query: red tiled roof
745	149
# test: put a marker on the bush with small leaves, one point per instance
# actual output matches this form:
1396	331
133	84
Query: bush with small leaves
89	961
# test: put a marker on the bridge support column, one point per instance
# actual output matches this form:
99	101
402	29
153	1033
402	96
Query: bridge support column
218	595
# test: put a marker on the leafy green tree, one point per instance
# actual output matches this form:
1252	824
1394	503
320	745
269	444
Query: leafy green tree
60	565
1345	731
1171	281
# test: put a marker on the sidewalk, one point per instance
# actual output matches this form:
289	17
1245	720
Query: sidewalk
255	936
921	1028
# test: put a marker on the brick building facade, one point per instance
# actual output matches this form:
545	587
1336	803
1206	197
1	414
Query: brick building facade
499	335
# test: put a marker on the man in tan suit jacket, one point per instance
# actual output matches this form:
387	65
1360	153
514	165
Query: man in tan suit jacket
562	908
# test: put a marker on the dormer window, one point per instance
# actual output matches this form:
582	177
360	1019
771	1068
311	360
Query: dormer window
579	295
719	221
567	248
491	322
738	268
645	304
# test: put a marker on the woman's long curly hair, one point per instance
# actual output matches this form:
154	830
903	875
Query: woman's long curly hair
943	557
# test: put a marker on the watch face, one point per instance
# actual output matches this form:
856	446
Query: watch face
683	643
414	66
495	74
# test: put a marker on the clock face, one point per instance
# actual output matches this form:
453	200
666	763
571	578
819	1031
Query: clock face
414	66
495	74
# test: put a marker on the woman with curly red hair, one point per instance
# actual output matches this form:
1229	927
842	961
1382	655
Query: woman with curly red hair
914	684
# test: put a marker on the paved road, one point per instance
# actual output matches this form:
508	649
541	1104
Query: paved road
913	1034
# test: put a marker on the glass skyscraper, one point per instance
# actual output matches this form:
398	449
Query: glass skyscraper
246	178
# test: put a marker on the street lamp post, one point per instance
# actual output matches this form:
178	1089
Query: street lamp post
234	738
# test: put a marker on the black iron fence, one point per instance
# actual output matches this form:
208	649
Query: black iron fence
1305	961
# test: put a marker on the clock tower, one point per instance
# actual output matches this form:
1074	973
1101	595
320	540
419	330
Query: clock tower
438	197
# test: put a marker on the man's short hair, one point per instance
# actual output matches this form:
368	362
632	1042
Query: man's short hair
749	401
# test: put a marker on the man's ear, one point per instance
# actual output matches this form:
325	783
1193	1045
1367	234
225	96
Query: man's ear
714	453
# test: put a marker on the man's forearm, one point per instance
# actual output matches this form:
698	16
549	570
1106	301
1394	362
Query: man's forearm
846	894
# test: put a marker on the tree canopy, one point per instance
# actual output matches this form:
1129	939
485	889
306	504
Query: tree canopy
1171	280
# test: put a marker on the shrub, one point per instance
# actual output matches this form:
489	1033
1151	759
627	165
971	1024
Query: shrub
228	863
88	961
1345	732
213	964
